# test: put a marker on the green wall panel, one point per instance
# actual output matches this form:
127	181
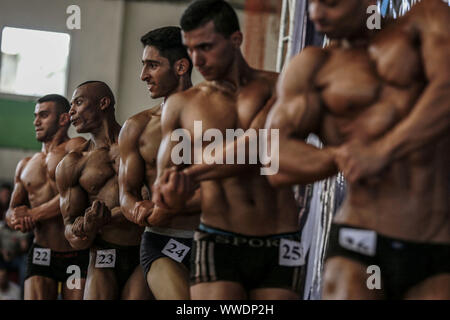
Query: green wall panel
16	124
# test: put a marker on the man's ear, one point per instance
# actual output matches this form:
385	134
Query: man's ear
182	66
64	119
104	103
236	39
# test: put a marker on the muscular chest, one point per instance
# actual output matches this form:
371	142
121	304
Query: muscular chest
100	169
395	52
348	81
370	90
222	111
41	170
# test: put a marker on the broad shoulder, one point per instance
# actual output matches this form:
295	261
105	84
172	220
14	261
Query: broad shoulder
70	163
21	165
435	12
74	144
308	59
143	117
69	169
263	83
268	77
135	125
180	99
300	72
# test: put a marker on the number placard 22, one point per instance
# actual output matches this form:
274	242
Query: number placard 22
41	256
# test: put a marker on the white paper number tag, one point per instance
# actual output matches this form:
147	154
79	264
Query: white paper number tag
361	241
41	256
105	258
291	253
175	250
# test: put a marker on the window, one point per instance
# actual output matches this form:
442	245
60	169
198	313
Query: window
33	62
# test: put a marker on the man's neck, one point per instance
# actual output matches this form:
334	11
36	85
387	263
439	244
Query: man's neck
361	40
106	134
184	84
349	44
60	137
239	74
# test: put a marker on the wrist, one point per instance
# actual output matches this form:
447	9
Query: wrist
34	214
91	232
193	172
383	150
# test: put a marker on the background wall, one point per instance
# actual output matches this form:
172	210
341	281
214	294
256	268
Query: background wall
107	48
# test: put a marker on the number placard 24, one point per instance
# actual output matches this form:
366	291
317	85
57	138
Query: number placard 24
175	250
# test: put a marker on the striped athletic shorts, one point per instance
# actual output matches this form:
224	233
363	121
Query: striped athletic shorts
274	261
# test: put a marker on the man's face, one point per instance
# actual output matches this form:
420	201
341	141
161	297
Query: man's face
211	53
46	121
85	113
157	72
339	18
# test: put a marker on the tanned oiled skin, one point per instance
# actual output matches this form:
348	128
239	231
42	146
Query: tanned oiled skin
243	203
140	139
139	143
34	203
88	184
36	196
380	103
89	176
235	198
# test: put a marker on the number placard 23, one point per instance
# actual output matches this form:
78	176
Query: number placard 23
105	258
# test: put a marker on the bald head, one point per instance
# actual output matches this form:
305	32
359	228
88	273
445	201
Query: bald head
92	103
97	90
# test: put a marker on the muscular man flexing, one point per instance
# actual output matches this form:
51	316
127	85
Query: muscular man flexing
165	251
87	181
244	221
379	100
35	206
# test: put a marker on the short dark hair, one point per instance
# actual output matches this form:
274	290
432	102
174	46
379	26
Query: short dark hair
61	103
169	44
220	12
106	90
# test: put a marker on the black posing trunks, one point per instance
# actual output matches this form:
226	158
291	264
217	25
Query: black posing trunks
403	264
254	262
38	260
161	242
122	259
